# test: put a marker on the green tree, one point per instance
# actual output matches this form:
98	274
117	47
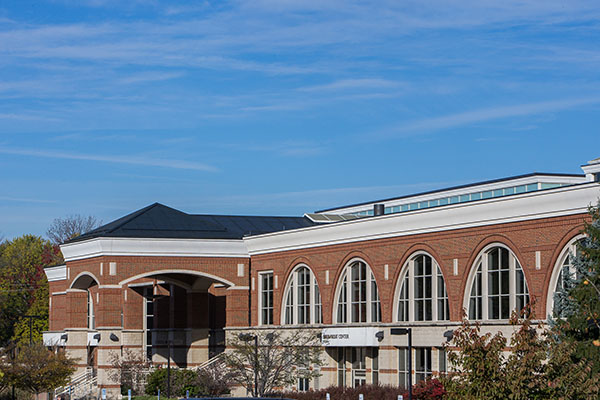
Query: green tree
477	366
577	311
36	369
537	365
21	275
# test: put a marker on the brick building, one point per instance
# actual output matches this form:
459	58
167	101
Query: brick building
160	276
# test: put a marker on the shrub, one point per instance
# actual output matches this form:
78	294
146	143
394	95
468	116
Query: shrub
182	380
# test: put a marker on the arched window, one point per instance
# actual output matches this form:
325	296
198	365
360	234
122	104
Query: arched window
357	296
302	298
563	267
422	292
498	285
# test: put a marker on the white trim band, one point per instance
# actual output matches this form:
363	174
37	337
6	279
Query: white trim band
154	247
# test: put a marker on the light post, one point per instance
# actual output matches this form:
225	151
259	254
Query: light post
31	317
169	369
406	331
246	337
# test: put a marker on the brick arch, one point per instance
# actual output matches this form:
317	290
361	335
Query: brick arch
488	240
554	260
417	248
178	271
80	278
292	266
354	254
421	246
348	258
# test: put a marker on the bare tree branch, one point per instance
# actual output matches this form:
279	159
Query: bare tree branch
64	229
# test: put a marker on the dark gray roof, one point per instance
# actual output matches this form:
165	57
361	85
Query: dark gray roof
160	221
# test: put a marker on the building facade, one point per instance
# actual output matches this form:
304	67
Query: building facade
179	285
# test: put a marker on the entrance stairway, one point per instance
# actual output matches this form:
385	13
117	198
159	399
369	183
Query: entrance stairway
81	386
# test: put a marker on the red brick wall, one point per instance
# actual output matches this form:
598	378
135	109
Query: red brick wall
548	236
112	300
58	307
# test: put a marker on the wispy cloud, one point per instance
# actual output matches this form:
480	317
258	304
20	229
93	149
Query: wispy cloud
346	84
319	198
482	115
151	77
26	200
133	160
26	117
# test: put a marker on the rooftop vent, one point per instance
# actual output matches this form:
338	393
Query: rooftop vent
378	209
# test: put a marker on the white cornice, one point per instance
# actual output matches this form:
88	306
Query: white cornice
569	180
58	273
566	200
153	247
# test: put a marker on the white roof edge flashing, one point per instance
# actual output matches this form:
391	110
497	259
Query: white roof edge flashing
57	273
592	169
566	200
157	247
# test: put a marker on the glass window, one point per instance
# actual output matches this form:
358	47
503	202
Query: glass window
464	197
443	201
521	189
359	366
429	299
266	298
341	366
487	194
374	365
413	206
359	286
491	286
404	207
475	196
387	210
422	364
90	311
453	199
498	193
433	203
550	185
303	384
403	367
510	190
532	187
149	311
442	360
566	274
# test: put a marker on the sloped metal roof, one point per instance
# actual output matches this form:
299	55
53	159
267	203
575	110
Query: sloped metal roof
160	221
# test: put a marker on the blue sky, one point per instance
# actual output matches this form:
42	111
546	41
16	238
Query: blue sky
280	107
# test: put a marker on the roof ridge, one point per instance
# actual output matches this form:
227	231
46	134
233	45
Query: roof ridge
135	215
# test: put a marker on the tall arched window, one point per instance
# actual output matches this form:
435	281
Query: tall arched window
563	267
302	298
421	291
498	285
357	295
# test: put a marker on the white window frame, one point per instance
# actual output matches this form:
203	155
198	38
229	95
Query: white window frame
292	288
261	274
91	311
568	249
482	260
370	278
408	271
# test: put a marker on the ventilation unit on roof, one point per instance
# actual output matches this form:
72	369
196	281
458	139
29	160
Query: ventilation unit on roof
378	209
